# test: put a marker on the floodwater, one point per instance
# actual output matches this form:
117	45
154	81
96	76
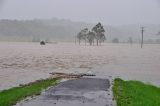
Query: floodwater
22	63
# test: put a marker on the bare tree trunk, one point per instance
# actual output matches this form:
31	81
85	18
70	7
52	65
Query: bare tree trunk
97	42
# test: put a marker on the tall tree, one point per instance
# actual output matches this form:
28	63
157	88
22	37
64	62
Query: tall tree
91	37
99	33
82	35
79	37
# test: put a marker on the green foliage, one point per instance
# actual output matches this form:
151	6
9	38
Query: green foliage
99	33
135	93
12	96
98	28
91	37
96	33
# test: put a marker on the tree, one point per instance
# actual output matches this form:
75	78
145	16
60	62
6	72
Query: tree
91	37
99	33
102	38
82	35
79	37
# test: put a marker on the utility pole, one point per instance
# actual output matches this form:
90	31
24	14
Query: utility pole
142	31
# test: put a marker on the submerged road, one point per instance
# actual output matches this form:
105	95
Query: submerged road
77	92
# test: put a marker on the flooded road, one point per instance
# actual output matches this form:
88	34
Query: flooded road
78	92
21	63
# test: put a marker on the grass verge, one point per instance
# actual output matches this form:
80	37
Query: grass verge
12	96
135	93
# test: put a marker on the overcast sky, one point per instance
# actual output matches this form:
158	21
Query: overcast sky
109	12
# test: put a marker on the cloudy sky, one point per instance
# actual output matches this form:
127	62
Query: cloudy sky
111	12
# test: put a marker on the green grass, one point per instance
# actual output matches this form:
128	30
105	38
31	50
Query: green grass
12	96
135	93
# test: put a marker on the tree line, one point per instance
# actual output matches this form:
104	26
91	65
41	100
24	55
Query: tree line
96	34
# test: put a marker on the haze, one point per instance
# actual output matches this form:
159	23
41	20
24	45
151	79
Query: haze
110	12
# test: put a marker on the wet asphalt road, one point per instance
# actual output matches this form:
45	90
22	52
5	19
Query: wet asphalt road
78	92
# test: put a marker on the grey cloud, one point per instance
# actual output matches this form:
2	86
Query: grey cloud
1	3
106	11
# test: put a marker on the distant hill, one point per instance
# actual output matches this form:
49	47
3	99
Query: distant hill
66	30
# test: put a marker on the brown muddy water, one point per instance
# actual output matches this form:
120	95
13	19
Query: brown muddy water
26	62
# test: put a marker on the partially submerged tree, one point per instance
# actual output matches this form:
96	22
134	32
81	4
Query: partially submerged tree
82	35
97	34
102	38
91	37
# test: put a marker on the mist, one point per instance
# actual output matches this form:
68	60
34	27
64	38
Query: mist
109	12
61	19
79	52
1	3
